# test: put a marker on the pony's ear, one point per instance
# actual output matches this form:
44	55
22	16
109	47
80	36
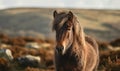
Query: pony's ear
54	13
70	15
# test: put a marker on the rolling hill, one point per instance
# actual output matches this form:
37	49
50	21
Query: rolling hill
37	22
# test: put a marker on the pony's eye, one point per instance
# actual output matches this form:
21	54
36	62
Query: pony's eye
67	25
68	29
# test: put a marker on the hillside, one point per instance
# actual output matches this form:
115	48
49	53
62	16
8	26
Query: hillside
102	24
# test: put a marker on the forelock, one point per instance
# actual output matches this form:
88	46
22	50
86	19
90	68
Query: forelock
59	20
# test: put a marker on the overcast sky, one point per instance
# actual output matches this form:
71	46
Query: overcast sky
90	4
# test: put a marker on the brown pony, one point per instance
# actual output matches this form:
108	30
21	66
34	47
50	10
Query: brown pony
74	51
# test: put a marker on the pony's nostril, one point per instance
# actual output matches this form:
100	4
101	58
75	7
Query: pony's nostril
59	49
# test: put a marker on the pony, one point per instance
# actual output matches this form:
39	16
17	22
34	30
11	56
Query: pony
74	50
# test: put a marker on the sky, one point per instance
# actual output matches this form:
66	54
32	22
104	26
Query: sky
85	4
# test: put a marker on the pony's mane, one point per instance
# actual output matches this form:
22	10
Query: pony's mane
78	31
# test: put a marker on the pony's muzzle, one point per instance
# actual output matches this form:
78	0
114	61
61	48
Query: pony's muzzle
60	49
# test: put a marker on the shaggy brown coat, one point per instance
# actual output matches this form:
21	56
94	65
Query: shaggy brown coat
83	53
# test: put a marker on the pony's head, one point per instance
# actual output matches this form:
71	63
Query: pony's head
68	31
63	25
